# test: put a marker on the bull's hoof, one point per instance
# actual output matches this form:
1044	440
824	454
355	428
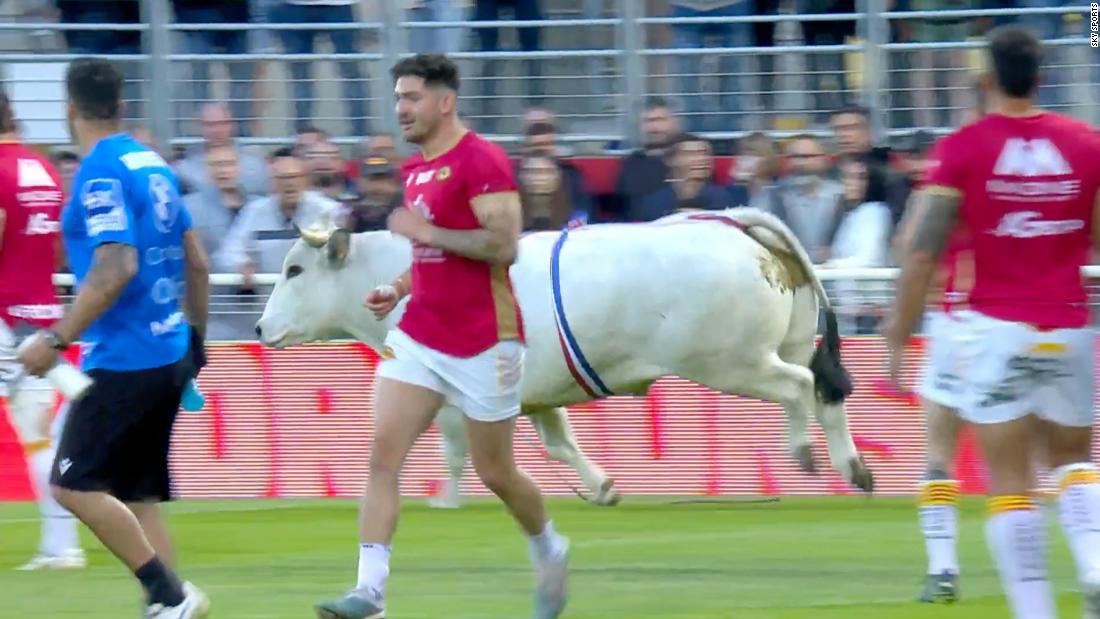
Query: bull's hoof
804	455
606	496
862	477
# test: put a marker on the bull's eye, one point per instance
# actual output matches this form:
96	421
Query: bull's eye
293	271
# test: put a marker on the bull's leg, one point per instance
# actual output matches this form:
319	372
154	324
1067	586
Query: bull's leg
452	425
557	436
792	387
842	448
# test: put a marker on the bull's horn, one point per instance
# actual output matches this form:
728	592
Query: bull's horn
315	236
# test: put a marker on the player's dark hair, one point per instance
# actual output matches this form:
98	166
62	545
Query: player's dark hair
1016	55
7	115
434	69
95	88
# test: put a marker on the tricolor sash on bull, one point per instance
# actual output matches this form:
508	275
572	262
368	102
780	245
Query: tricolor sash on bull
579	367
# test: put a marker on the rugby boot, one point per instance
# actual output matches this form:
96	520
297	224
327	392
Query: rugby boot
357	604
70	560
195	605
550	590
942	587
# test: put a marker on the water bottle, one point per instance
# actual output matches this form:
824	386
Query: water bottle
70	381
193	400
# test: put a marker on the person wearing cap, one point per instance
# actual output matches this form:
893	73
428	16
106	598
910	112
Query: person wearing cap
380	193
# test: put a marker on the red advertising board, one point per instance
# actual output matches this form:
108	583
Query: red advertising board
297	423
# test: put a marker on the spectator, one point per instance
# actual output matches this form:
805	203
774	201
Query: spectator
755	172
343	42
915	156
546	201
727	115
264	234
947	64
101	41
806	200
853	138
489	40
862	240
306	137
217	130
644	171
67	163
380	190
326	170
383	145
208	42
541	141
437	40
690	185
828	80
215	211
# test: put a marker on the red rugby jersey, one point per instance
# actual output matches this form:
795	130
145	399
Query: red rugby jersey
1028	187
458	306
30	197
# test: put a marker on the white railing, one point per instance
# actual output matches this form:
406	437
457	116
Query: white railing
826	274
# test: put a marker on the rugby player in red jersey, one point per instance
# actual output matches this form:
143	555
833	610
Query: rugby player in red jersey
939	390
30	205
1026	185
460	339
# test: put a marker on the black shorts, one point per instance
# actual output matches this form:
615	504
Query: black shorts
116	438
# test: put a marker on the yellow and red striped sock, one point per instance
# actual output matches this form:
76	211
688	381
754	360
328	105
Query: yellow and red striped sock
937	504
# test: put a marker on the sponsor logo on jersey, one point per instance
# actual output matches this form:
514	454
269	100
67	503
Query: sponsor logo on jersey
104	206
444	173
1026	225
143	159
166	202
1038	157
40	223
31	173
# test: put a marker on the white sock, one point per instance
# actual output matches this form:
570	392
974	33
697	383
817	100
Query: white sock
1079	506
1017	538
374	566
939	523
547	544
59	527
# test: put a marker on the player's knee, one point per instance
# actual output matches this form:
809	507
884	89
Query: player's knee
497	475
384	461
936	473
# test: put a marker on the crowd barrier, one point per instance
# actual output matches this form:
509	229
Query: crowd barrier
297	423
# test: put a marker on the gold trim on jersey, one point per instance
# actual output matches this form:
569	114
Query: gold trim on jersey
504	303
942	190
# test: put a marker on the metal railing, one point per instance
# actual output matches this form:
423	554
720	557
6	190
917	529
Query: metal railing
593	72
860	296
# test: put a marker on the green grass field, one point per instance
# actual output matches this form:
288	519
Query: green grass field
820	558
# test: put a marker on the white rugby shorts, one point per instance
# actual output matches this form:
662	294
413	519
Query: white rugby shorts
486	387
941	379
1012	370
11	371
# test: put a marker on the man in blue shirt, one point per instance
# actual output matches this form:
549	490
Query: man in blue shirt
129	242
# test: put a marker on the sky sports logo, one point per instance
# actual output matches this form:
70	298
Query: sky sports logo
1094	27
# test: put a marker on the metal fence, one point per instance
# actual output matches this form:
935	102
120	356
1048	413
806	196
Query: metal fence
593	63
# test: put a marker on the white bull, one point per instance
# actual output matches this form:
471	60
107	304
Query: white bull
728	300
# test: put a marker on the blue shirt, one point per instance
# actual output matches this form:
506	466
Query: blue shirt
126	193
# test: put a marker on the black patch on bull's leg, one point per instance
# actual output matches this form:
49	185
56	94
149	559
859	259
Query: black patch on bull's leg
804	455
862	477
831	381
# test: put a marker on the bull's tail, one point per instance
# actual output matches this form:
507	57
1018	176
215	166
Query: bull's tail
832	381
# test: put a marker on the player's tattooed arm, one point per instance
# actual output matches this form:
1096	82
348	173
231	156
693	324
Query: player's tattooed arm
197	299
113	266
932	227
3	222
496	241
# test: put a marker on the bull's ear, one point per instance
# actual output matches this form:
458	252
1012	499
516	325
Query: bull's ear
337	246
